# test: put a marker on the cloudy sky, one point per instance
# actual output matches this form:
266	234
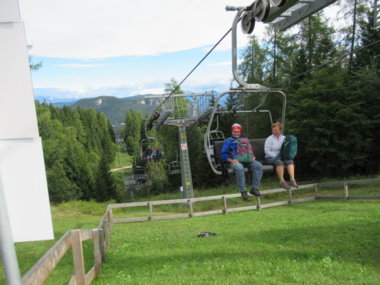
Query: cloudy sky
123	47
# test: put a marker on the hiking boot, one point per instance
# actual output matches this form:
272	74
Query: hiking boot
293	183
285	185
245	196
255	192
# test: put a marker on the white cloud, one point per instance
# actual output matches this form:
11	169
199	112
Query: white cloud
100	29
225	63
80	65
148	91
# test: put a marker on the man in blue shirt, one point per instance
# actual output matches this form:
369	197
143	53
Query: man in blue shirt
230	154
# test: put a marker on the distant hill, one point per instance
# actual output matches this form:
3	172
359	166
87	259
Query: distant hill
116	108
61	104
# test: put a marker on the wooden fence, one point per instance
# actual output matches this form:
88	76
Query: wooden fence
190	205
258	206
40	272
346	194
73	239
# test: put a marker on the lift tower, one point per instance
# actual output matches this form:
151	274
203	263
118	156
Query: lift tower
181	111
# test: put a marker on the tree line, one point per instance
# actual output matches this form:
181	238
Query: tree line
78	148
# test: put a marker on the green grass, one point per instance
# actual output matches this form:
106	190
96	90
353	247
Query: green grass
324	242
66	216
121	160
321	242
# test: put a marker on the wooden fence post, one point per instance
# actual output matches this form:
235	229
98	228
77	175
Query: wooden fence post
109	217
225	205
190	203
150	211
108	228
346	190
79	272
316	190
102	243
290	196
106	232
97	252
259	203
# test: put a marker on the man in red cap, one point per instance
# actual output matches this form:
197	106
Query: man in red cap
237	151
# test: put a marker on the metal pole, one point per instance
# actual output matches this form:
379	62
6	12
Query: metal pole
187	181
7	247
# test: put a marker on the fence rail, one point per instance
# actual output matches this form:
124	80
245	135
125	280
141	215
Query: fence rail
258	206
73	239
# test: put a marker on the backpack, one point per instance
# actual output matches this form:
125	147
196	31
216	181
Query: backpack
289	148
244	152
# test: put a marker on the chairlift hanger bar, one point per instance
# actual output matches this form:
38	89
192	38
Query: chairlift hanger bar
282	14
301	13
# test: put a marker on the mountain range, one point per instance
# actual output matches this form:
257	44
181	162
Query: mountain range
114	108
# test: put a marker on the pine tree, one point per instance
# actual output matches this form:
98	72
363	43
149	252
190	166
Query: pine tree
61	188
105	188
255	60
326	122
132	132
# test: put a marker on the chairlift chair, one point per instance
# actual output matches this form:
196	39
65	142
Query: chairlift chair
247	93
214	136
144	145
174	167
139	173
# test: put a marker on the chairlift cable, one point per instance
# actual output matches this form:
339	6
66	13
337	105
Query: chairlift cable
208	53
183	80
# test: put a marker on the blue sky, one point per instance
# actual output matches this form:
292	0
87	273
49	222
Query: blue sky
131	75
122	48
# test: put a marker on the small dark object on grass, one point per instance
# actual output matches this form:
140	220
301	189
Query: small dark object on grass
206	234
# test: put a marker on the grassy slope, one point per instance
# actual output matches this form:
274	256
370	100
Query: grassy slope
312	243
329	242
72	215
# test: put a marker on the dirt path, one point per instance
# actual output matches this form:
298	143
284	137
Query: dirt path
121	168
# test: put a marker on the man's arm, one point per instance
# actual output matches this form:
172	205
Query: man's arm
226	153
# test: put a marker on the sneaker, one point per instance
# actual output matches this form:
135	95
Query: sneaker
255	192
285	185
293	183
245	196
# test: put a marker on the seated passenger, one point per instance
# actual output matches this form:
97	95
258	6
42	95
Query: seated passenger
237	151
272	150
156	154
148	153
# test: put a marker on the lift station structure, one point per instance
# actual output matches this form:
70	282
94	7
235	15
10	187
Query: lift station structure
181	111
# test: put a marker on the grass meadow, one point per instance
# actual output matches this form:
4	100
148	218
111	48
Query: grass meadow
319	242
322	242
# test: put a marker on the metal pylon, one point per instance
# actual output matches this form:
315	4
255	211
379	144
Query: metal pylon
187	181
